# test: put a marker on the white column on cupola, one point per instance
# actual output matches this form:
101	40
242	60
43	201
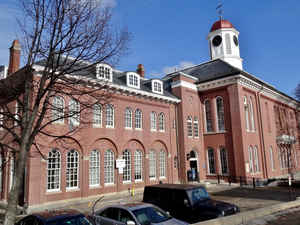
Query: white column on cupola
224	43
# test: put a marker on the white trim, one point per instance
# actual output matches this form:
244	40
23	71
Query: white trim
135	75
182	83
105	66
160	83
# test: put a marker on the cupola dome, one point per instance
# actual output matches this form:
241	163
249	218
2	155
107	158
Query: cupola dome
221	24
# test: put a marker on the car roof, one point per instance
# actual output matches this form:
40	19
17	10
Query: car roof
129	206
57	214
176	186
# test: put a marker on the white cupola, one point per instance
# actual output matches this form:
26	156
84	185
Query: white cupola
224	43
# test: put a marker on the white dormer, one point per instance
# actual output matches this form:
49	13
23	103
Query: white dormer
133	80
104	72
157	86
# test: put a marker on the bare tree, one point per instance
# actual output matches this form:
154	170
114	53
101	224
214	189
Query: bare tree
63	40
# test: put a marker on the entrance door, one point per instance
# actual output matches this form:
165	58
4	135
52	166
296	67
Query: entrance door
194	166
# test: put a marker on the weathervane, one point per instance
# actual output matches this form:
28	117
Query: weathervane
220	9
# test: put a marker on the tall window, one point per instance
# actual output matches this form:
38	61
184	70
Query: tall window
108	167
272	159
104	72
162	163
153	121
1	175
189	126
251	115
110	116
196	127
94	172
53	170
74	112
11	172
228	44
268	117
138	119
209	127
1	121
58	106
72	169
127	169
97	115
251	160
256	161
246	107
138	165
161	122
220	114
152	164
224	162
128	118
211	161
17	114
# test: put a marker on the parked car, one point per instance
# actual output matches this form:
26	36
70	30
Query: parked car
133	214
56	217
190	203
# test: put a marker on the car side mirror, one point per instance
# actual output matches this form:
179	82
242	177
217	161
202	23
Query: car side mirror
168	213
130	222
186	202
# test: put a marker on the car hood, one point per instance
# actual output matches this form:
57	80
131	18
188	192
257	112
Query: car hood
172	221
213	204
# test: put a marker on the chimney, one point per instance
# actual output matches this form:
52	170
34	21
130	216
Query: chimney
14	57
140	70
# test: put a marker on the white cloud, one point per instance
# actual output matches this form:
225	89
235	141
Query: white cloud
108	3
180	66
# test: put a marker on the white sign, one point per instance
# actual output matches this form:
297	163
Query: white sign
120	163
120	170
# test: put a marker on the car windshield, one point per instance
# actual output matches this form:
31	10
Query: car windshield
148	215
198	194
79	220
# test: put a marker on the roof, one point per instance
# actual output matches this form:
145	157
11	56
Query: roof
131	206
176	186
57	214
221	24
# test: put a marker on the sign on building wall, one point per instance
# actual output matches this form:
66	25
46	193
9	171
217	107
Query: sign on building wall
120	164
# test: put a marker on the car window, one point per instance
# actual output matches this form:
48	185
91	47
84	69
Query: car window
149	215
78	220
198	194
30	220
111	213
124	216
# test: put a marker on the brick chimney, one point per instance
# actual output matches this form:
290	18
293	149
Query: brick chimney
14	57
140	70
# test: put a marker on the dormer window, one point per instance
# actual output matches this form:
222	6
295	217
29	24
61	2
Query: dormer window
104	72
157	86
133	80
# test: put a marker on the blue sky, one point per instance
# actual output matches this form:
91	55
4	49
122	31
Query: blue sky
170	34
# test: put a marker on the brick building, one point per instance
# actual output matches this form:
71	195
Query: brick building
194	124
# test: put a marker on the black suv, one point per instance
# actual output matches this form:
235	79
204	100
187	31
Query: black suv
190	203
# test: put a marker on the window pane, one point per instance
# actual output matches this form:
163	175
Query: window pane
109	167
162	163
128	118
72	169
196	127
161	122
53	170
97	115
58	109
153	120
209	127
220	114
152	164
109	116
127	169
138	165
189	127
211	161
94	168
224	163
138	119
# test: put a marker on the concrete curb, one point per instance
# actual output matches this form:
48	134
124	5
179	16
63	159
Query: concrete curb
244	217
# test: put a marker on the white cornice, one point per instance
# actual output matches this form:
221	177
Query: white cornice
182	83
218	83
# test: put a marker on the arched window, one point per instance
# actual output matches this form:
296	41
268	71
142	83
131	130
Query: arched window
209	127
110	117
97	115
127	168
256	161
251	160
53	170
189	126
138	165
251	115
108	167
211	161
228	44
58	106
161	122
162	164
224	160
220	114
94	168
246	107
196	127
11	171
152	164
72	174
268	117
74	112
138	119
153	121
272	159
128	118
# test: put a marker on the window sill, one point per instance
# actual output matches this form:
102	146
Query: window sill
153	179
128	128
72	189
190	136
138	181
217	132
94	186
56	191
162	131
152	130
109	184
97	126
138	129
126	182
162	178
109	127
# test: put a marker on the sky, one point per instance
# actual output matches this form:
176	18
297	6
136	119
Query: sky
169	34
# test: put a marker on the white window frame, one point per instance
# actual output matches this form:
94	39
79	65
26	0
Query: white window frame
97	115
272	159
246	108
220	114
161	122
133	80
162	164
196	127
208	121
223	163
251	114
209	161
94	168
104	72
109	163
58	105
189	125
128	118
138	115
256	160
138	165
153	121
110	116
17	114
54	165
72	170
251	160
11	171
127	168
157	86
152	165
74	108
